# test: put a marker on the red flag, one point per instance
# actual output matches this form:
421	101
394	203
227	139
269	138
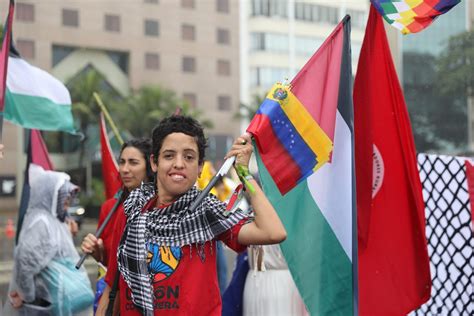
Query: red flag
394	275
39	152
470	187
7	33
110	174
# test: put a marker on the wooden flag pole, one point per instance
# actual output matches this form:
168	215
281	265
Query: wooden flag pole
108	117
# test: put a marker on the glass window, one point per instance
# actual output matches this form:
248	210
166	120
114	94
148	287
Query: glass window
152	28
61	52
308	12
257	41
152	61
26	48
358	18
187	4
25	12
188	32
190	98
266	77
223	67
112	23
299	11
223	36
306	46
224	103
222	6
188	64
70	17
120	59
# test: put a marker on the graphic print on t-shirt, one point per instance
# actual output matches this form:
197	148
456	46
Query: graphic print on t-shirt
162	261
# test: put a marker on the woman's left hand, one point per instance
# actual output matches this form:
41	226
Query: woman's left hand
242	150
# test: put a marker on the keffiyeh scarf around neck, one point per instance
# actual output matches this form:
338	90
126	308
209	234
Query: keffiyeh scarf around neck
173	225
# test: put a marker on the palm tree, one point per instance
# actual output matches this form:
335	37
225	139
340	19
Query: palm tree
147	106
84	107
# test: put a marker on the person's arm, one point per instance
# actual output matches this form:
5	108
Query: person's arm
103	302
266	227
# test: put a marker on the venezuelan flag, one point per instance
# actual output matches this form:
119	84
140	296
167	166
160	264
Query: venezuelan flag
290	141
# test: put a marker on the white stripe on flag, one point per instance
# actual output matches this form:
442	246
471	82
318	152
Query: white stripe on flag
331	187
28	80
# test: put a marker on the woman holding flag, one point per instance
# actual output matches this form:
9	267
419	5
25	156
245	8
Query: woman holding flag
134	168
167	257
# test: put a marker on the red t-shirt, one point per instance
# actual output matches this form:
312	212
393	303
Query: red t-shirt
183	284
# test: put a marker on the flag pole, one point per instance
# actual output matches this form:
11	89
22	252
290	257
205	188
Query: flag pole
108	117
219	175
4	53
119	195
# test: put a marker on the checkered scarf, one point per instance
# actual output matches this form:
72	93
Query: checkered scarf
173	225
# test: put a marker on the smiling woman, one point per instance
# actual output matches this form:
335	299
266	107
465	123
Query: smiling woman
167	248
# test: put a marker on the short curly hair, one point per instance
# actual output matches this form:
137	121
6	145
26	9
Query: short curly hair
179	124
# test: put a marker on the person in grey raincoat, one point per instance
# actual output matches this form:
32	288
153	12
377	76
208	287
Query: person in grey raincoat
45	281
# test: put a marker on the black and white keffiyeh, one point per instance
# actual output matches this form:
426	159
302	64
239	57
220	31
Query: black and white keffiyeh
173	225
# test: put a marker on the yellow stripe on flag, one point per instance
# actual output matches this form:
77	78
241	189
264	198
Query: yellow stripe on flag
307	127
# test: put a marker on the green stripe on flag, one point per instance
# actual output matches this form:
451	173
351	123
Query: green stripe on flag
318	263
38	113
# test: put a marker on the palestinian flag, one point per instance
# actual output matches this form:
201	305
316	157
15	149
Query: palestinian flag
34	99
318	208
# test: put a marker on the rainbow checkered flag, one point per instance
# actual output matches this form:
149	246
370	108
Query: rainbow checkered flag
412	16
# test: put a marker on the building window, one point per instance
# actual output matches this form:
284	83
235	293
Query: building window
25	12
187	4
224	103
272	42
223	36
188	64
26	48
188	32
70	17
276	8
266	77
112	23
61	52
152	61
222	6
223	67
151	1
152	28
190	98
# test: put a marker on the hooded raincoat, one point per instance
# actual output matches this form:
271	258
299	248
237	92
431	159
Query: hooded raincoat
44	245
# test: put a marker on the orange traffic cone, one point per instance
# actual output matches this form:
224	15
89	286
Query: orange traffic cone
10	229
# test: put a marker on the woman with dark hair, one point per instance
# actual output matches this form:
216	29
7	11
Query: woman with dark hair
134	168
167	255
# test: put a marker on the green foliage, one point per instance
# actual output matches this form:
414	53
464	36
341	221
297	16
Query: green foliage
142	110
456	66
435	91
247	111
96	197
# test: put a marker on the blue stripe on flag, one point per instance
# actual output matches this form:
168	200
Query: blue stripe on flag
289	137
